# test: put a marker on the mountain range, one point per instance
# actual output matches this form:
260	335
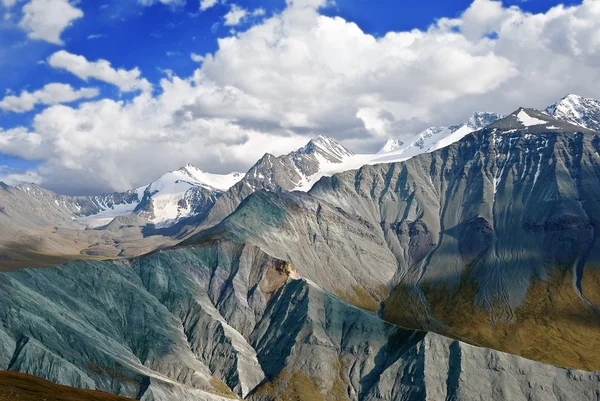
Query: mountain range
52	228
460	265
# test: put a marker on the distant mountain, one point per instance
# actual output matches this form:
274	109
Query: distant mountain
577	110
435	138
186	200
41	228
391	145
174	196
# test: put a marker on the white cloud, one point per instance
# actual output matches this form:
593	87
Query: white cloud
96	36
298	74
47	19
15	177
21	143
206	4
197	57
175	3
8	3
50	94
235	15
126	80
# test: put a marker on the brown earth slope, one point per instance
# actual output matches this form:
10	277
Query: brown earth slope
20	387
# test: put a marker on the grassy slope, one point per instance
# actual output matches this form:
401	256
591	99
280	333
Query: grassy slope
21	387
553	325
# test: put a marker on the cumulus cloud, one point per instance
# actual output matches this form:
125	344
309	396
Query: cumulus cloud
206	4
50	94
8	3
235	15
47	19
197	57
125	80
298	74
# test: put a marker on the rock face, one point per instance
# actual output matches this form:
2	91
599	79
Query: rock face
224	320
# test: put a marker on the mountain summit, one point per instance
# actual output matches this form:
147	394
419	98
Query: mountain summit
577	110
327	148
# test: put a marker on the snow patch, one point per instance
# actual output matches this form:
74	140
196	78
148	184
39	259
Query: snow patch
529	121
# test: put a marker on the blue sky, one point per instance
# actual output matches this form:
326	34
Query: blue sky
158	40
160	37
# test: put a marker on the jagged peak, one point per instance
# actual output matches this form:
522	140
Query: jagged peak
481	119
187	169
577	110
327	147
391	145
570	101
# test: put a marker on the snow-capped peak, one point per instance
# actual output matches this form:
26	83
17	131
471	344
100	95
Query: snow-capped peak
170	198
219	182
577	110
326	147
390	146
482	119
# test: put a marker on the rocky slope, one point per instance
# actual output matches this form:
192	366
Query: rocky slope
494	237
488	223
221	320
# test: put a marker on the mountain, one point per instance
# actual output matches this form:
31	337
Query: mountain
292	295
324	157
435	138
51	228
493	237
500	223
175	196
577	110
390	145
224	320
